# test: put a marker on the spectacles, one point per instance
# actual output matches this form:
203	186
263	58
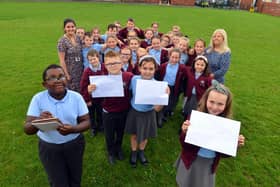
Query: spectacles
112	64
53	79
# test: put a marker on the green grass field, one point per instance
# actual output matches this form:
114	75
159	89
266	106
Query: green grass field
28	39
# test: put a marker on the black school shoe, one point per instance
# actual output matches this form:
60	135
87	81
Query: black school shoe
142	158
119	155
133	159
111	159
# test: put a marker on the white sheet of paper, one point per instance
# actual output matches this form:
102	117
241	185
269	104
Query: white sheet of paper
151	92
213	132
107	86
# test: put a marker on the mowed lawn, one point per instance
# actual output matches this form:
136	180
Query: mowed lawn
28	39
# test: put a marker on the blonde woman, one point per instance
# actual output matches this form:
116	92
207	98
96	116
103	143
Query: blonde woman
218	55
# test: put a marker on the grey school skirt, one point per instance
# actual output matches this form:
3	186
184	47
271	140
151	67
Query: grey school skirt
198	175
143	124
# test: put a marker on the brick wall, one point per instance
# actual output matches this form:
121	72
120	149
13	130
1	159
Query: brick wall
269	8
173	2
183	2
246	4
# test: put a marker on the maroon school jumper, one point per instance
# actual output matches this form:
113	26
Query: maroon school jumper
164	57
119	104
201	84
123	33
144	44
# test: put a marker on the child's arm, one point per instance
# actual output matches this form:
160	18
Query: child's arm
84	88
185	126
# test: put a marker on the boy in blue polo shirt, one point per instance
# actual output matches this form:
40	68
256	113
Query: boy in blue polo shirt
61	150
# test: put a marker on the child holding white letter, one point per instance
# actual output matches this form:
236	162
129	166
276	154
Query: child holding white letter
141	119
196	166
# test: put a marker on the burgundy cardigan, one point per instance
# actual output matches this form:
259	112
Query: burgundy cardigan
119	104
201	84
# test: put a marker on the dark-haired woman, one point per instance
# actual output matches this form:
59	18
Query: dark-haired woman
70	55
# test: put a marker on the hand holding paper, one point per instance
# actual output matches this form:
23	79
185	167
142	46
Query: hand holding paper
107	86
213	132
151	92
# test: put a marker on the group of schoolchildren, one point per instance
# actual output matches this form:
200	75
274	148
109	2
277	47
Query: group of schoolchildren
137	54
148	55
133	54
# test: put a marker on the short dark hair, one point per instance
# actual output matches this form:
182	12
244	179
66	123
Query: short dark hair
52	66
111	26
88	34
130	19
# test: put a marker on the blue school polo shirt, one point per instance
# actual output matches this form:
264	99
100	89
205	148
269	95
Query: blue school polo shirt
85	60
156	54
134	57
67	110
138	107
184	58
116	49
104	37
98	48
206	153
125	67
170	74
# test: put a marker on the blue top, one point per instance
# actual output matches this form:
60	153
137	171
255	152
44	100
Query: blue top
67	110
85	60
134	57
156	54
218	64
98	48
170	74
206	153
104	37
125	67
184	58
115	49
138	107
